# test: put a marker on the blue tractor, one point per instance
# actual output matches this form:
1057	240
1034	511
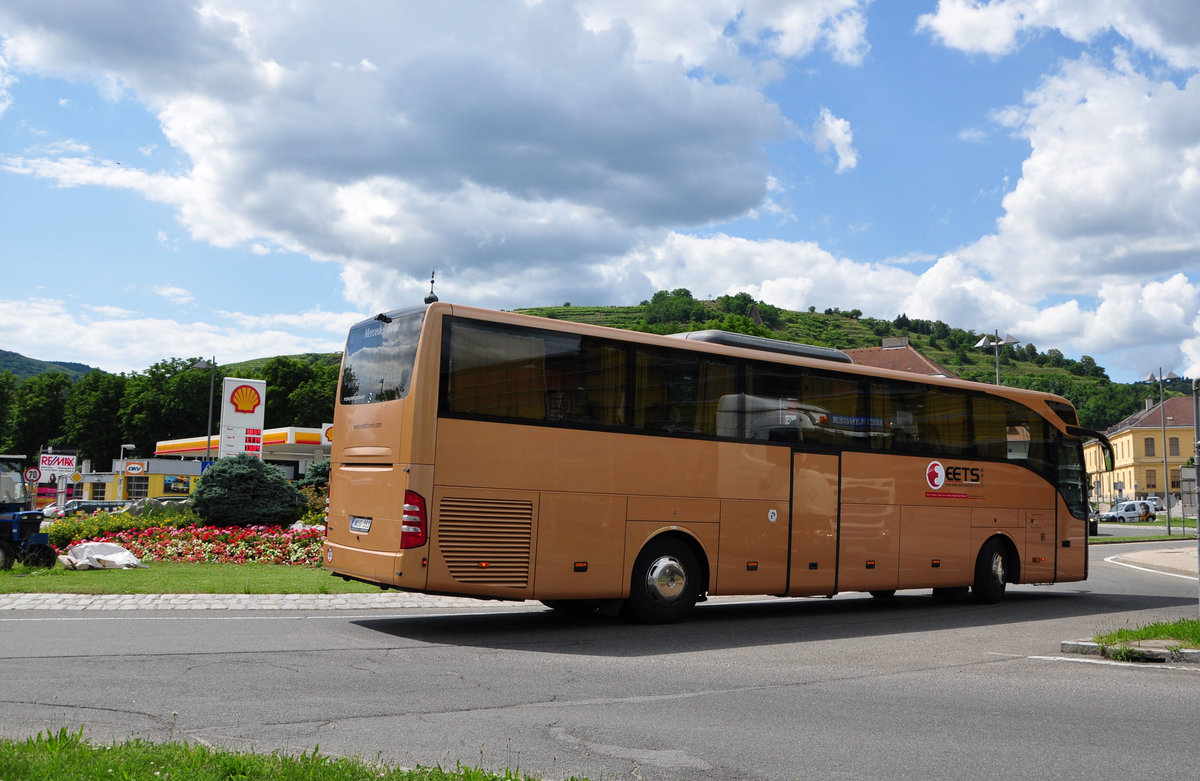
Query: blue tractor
21	535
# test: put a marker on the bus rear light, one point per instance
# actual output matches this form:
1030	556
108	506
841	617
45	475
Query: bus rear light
414	526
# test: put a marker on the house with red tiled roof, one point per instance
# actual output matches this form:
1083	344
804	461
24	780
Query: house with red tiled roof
897	354
1144	465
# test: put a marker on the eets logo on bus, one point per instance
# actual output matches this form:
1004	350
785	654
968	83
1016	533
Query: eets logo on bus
935	475
938	475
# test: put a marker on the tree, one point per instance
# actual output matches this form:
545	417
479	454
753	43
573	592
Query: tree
169	401
283	375
677	306
312	401
38	412
242	490
8	394
92	406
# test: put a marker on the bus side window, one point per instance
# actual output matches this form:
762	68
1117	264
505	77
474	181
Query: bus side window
991	426
496	373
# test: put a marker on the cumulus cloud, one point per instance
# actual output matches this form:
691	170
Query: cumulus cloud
542	141
120	339
1168	28
830	132
176	295
534	151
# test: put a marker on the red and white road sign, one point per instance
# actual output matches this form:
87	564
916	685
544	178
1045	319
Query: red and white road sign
33	474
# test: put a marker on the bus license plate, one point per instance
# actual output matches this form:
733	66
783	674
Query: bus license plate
358	524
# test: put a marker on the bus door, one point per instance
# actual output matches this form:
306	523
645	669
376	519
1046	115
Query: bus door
812	567
1040	547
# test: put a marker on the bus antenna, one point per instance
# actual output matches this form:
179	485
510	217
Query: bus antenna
429	299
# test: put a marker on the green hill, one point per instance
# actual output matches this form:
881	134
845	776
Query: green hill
1100	402
25	368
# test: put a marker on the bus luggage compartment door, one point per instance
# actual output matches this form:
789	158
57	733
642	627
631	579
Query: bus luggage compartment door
482	542
814	535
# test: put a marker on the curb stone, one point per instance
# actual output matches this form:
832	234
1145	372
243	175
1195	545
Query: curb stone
1147	651
363	601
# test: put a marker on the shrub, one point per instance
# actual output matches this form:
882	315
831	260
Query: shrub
242	489
91	527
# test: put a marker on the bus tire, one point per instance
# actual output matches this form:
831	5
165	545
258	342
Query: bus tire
665	584
990	569
6	556
886	593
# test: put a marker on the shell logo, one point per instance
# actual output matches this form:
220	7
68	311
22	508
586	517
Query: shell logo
245	398
329	434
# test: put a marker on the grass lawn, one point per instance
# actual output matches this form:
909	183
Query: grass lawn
66	756
175	578
1185	631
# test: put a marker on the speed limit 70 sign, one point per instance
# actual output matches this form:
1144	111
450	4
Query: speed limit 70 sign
33	474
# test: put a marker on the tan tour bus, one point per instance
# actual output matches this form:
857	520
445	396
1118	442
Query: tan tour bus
500	456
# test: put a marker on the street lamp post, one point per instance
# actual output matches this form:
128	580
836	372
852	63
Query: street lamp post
212	376
1162	416
120	477
995	342
1196	466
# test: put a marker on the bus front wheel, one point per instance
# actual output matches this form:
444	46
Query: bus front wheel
990	577
666	583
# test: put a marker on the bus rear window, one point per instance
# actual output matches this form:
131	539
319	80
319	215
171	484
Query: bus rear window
379	358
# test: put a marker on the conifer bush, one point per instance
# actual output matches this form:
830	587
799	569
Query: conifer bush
243	489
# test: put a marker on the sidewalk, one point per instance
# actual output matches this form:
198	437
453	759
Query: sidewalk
1180	559
385	600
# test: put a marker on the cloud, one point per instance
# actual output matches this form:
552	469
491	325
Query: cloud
176	295
544	140
830	132
120	340
1168	28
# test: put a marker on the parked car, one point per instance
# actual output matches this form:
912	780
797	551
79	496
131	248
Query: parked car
87	507
1129	512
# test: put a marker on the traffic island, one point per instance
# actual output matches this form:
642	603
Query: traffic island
1139	651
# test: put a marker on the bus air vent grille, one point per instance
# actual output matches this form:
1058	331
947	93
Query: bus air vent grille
486	541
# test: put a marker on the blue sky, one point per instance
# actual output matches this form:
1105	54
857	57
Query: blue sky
240	180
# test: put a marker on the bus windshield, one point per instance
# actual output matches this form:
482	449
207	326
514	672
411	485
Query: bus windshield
379	357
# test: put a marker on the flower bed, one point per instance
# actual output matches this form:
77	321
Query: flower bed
223	545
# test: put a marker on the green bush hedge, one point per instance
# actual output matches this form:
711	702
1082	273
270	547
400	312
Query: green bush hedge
89	527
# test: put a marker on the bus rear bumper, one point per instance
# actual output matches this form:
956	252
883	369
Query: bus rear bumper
385	568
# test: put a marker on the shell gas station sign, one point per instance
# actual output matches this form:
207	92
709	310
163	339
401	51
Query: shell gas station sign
243	410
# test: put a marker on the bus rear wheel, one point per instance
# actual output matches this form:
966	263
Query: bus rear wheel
990	576
7	556
666	583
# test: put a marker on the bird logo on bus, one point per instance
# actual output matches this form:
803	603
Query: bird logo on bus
935	475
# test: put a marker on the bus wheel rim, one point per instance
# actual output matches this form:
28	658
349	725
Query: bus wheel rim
666	579
998	567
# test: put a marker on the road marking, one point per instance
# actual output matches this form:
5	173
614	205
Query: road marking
1113	560
1115	663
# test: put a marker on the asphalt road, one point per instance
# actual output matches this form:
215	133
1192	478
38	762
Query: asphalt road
756	689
